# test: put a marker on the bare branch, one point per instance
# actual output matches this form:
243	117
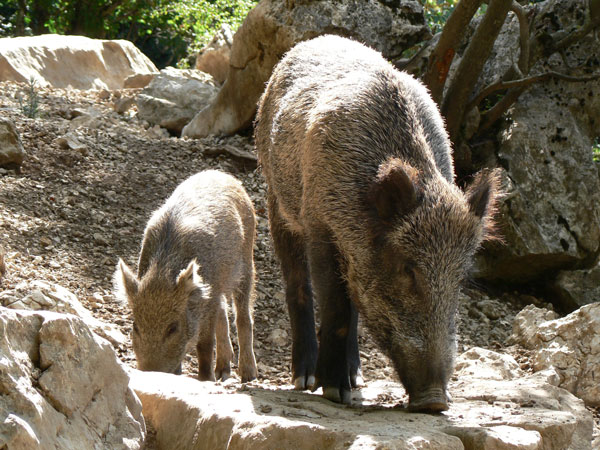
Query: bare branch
523	36
517	87
592	21
525	82
471	64
443	54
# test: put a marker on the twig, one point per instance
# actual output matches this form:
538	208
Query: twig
523	36
524	82
517	88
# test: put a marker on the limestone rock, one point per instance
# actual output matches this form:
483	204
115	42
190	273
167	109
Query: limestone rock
41	295
138	80
506	411
549	219
92	63
214	58
174	96
570	345
11	148
63	387
273	27
575	288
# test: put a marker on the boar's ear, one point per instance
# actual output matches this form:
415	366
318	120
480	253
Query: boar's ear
189	280
125	282
482	195
395	191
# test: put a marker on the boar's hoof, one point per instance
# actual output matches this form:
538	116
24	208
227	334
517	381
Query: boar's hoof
304	382
357	380
338	395
431	401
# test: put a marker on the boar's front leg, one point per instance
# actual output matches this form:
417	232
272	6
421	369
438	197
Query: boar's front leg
337	321
290	250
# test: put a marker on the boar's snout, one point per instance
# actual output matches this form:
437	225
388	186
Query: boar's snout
430	400
154	365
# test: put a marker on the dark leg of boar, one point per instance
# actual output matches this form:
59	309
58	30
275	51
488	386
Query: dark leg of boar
333	364
356	379
290	250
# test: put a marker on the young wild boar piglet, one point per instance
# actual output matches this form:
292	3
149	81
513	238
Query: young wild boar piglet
365	214
197	252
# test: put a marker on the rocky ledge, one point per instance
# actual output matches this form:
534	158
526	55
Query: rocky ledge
496	406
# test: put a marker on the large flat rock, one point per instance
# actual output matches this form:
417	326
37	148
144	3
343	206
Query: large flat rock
495	407
71	61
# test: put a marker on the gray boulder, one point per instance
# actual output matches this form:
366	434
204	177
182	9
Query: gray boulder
549	218
576	288
174	96
274	26
63	387
11	147
214	58
569	346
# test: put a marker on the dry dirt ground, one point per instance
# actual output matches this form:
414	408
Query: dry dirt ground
69	214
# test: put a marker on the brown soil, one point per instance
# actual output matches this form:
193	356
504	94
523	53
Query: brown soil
68	215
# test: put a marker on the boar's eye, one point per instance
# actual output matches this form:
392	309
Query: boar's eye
408	270
172	329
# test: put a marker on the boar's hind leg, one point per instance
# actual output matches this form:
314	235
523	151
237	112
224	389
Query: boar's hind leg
224	348
243	322
333	369
290	250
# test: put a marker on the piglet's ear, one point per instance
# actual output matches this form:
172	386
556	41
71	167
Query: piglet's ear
395	191
482	195
189	280
125	282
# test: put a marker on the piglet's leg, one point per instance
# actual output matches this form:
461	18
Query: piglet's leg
243	321
224	347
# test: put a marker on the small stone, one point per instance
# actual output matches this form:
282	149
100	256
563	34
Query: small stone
490	308
45	241
278	337
100	239
42	300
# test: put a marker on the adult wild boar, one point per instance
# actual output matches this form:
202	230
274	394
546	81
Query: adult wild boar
365	214
197	252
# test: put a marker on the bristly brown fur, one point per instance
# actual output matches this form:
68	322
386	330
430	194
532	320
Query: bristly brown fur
197	254
361	185
488	182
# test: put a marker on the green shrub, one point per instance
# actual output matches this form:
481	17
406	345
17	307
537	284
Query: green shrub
166	31
30	105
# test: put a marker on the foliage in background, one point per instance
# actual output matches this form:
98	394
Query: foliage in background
437	12
596	150
166	31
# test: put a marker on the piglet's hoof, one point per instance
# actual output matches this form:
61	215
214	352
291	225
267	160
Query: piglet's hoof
338	395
